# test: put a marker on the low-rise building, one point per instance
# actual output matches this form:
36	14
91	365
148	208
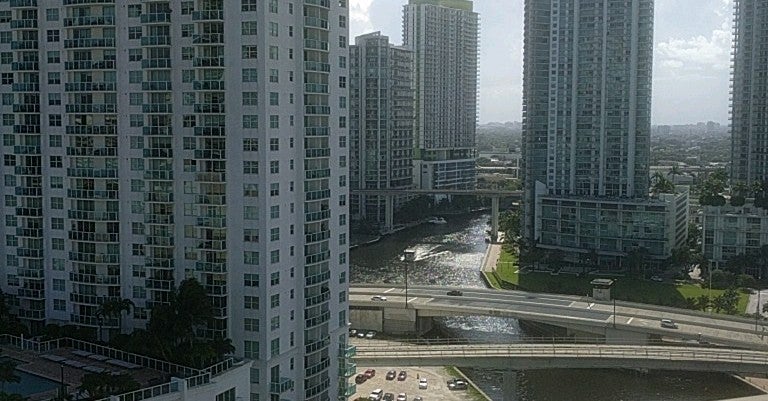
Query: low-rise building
728	231
612	227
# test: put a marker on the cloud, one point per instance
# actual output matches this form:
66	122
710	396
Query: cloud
359	13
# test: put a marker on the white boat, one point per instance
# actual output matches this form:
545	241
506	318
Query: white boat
437	220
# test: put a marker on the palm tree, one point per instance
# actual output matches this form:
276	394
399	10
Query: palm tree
663	185
674	172
113	308
8	373
635	259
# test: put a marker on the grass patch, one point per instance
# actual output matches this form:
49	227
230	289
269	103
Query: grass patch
625	288
471	390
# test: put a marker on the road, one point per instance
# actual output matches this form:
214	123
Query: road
568	311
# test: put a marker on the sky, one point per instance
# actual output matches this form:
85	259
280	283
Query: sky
692	45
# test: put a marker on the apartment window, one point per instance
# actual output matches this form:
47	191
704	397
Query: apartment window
251	280
274	212
274	76
137	185
250	52
187	7
251	213
188	98
57	244
134	32
11	240
135	55
134	10
187	30
274	167
343	220
251	190
342	121
57	223
273	6
250	167
342	277
136	120
274	121
139	292
53	57
342	161
137	228
134	77
342	82
273	29
251	121
274	53
6	36
274	234
342	258
251	258
274	278
342	102
187	76
248	28
137	142
59	304
274	256
342	41
54	141
290	31
274	323
274	189
274	144
137	207
52	35
54	78
250	75
250	144
135	99
249	5
187	53
51	14
251	324
342	141
250	98
274	99
59	285
251	235
274	301
54	120
189	121
251	302
56	162
342	180
343	239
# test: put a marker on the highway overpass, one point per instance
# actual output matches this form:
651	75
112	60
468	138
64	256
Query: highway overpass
580	315
515	357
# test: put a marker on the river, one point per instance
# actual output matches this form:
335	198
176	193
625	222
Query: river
451	254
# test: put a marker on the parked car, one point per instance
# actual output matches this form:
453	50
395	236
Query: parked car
657	279
360	334
391	375
369	373
352	333
455	293
418	398
360	379
423	383
668	324
457	384
388	397
402	375
376	395
378	298
402	397
370	334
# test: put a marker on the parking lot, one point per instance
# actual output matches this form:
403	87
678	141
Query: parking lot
437	388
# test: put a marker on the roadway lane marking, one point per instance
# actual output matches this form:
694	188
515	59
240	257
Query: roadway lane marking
630	320
387	291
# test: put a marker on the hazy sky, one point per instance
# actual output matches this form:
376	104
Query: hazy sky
691	55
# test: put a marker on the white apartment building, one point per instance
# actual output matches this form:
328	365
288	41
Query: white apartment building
147	141
728	231
443	35
381	122
587	121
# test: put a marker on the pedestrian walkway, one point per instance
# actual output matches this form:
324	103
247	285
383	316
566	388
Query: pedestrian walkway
491	258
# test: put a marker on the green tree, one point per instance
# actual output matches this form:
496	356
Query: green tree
113	308
12	397
703	302
694	236
662	185
509	224
8	373
636	261
675	172
9	323
101	385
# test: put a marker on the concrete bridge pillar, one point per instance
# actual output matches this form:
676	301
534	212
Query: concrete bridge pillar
509	386
494	219
389	213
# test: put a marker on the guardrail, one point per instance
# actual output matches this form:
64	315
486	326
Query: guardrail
524	340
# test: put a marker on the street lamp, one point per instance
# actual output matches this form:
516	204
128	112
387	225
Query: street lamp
613	296
406	285
63	386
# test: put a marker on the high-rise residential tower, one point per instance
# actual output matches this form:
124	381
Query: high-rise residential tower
749	126
381	122
443	35
145	142
733	230
586	128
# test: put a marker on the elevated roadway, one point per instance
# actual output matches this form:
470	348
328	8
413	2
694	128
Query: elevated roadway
578	314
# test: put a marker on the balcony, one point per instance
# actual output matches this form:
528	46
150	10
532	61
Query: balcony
208	38
315	44
317	237
31	314
163	86
319	3
208	85
90	130
285	384
164	108
90	215
93	237
209	108
316	22
315	174
323	110
91	108
316	88
25	66
24	24
23	3
92	172
90	87
76	2
209	131
26	108
88	43
89	21
156	18
162	63
24	44
159	131
94	279
347	352
26	150
316	300
158	153
317	195
25	87
211	177
90	65
160	40
208	62
317	216
208	15
317	66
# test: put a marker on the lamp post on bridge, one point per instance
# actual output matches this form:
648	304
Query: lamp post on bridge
406	285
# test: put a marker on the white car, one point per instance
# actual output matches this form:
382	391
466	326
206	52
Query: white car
376	395
423	383
402	397
378	298
370	334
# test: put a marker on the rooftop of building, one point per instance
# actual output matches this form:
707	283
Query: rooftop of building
70	360
457	4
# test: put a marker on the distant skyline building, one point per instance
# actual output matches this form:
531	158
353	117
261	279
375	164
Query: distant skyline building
586	131
381	122
443	35
749	103
145	142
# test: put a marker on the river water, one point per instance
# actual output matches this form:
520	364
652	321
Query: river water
451	254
